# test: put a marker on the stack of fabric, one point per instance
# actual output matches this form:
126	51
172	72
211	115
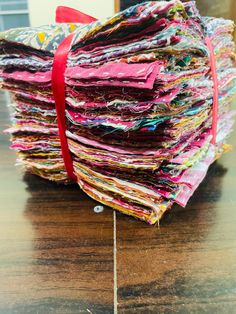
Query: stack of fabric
139	98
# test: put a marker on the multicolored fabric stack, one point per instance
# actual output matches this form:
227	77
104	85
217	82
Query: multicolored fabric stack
139	97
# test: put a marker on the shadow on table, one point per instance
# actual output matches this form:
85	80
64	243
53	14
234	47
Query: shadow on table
72	249
166	269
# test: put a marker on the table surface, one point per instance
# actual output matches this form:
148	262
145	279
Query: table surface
58	256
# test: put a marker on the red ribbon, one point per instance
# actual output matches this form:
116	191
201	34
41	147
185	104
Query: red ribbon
68	15
64	15
59	91
215	90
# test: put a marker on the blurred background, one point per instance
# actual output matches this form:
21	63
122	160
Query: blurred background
18	13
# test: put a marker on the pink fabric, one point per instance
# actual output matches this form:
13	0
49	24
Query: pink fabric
119	71
141	75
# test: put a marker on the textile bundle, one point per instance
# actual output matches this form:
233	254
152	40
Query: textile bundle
139	98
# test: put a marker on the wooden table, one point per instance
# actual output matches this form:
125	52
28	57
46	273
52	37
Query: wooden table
58	256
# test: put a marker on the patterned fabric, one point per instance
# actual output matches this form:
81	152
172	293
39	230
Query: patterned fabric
45	38
138	103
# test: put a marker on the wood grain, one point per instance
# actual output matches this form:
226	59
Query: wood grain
56	254
117	5
189	264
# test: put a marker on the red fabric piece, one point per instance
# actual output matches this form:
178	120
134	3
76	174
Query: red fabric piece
215	89
58	89
69	15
